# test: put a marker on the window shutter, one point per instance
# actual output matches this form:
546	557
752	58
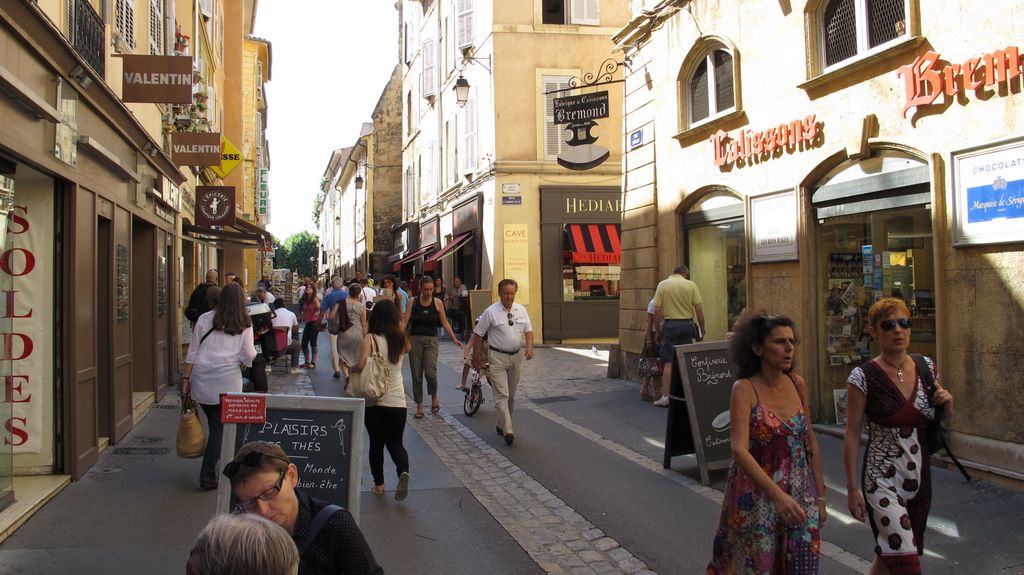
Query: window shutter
406	52
586	12
124	25
469	137
464	27
429	68
554	135
71	21
452	46
156	27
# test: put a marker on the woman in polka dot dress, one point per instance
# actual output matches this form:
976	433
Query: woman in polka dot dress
895	478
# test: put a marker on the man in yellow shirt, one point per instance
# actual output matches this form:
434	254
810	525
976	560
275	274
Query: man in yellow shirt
678	319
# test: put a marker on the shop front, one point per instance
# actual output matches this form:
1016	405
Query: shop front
405	240
581	251
460	256
412	264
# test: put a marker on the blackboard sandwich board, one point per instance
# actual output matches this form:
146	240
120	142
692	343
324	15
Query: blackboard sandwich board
323	437
707	376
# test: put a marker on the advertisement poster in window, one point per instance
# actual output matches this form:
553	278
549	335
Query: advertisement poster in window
517	258
30	344
773	222
988	193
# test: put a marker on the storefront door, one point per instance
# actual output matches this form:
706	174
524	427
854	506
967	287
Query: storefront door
716	256
872	241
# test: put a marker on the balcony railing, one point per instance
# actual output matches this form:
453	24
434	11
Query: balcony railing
88	36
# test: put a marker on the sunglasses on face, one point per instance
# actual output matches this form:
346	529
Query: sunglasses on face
889	324
270	493
251	459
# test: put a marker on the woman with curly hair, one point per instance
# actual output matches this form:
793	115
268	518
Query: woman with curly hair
774	503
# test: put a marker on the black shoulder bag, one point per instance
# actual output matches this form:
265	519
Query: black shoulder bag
318	523
935	435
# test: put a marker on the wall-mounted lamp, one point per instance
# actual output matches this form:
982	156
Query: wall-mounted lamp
150	149
359	182
461	88
80	74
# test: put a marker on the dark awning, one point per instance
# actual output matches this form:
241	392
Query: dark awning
455	244
223	238
594	243
414	255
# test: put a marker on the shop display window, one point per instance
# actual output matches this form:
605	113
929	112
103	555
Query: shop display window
716	256
861	259
590	262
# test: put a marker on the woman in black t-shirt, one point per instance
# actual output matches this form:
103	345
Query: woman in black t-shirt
423	316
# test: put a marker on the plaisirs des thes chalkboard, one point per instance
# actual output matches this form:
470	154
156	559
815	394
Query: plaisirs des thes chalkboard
322	436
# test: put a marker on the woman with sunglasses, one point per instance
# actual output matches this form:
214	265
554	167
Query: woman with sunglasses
264	482
896	480
221	343
774	505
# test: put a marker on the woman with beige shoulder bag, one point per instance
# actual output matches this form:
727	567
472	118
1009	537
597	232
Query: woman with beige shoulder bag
385	418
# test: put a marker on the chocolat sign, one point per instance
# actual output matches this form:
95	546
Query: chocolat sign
195	148
157	79
215	206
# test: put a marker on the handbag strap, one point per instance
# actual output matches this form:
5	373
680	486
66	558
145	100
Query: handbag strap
205	335
926	375
318	524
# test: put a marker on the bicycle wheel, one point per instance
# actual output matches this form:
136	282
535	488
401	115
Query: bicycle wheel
474	397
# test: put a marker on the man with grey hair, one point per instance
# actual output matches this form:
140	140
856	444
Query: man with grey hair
242	544
338	293
507	327
677	301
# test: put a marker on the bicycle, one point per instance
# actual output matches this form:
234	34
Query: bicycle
474	394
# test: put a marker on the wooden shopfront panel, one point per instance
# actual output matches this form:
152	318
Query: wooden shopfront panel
80	298
122	346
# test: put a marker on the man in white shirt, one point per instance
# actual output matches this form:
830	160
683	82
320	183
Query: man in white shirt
285	319
506	325
265	296
368	293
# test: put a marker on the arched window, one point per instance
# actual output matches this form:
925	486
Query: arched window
709	88
851	27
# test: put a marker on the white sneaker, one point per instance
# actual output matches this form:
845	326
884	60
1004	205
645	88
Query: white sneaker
663	402
293	370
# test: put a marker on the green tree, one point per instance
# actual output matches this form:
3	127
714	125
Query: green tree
298	253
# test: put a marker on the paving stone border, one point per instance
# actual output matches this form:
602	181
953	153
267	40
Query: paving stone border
556	536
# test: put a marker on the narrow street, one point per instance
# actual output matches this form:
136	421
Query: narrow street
581	491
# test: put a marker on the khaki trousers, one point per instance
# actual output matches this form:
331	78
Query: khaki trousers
335	359
503	374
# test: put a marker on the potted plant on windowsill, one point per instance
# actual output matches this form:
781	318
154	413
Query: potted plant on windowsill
180	42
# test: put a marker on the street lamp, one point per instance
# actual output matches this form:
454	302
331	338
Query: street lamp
461	90
359	182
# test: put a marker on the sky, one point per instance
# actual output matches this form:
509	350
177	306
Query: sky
331	60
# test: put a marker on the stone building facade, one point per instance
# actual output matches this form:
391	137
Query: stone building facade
833	153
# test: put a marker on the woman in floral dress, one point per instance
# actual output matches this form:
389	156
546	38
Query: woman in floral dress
773	507
896	478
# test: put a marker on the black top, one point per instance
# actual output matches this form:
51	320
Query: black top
197	303
424	320
339	548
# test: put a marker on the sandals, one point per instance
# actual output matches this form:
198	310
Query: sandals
419	412
435	408
311	365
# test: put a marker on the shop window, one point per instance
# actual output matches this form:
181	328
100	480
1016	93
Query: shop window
716	256
852	27
591	254
884	249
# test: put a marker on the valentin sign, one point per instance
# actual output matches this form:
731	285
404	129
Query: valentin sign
195	148
215	206
157	79
924	81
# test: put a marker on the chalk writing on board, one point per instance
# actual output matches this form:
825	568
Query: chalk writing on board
711	370
711	441
340	426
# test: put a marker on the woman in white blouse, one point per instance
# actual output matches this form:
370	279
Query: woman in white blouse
222	342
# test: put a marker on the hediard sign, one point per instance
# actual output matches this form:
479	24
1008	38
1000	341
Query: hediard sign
157	79
924	81
195	148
